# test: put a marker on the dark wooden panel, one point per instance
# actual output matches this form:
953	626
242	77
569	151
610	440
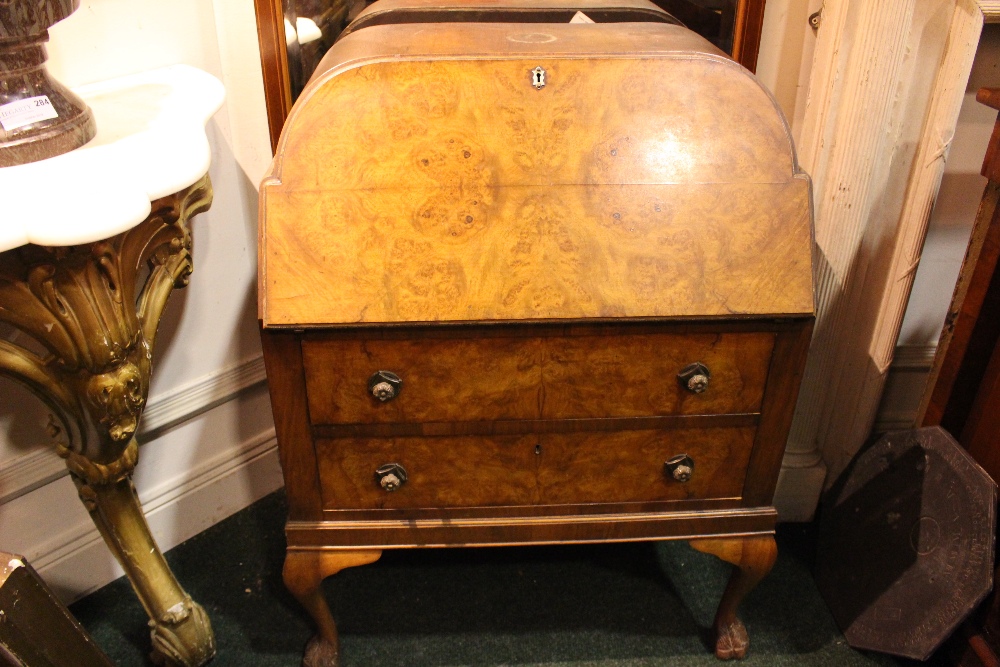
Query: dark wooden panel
274	65
991	162
746	32
286	384
523	511
781	394
523	427
967	338
496	14
531	530
981	433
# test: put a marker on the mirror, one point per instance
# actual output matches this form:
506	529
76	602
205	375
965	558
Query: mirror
295	34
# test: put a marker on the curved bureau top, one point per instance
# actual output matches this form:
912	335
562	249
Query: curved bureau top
422	177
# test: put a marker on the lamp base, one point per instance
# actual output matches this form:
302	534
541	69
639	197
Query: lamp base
39	117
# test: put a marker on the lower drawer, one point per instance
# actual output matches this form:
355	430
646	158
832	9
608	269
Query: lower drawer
546	469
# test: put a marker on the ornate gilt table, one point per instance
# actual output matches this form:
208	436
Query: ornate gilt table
91	245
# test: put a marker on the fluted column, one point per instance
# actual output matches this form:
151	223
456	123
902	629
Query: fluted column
887	83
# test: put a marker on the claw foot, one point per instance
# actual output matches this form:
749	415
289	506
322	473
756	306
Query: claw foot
183	636
320	653
731	641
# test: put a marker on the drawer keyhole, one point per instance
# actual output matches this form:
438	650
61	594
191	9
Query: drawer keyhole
538	449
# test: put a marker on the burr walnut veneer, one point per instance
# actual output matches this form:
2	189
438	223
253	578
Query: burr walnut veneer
526	284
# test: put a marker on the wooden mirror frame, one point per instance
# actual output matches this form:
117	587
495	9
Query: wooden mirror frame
274	56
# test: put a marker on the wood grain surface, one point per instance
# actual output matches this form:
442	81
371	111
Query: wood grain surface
507	378
507	527
542	469
537	264
287	388
455	191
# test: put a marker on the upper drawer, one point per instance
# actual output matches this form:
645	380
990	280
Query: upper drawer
510	378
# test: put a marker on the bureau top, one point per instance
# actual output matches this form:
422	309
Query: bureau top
505	172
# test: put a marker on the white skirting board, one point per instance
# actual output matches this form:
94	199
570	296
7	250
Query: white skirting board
800	482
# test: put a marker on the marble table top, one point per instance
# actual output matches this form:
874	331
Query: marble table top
150	143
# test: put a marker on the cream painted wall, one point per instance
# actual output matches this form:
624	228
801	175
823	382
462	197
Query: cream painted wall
786	47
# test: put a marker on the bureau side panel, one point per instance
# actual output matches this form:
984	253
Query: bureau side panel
780	395
286	384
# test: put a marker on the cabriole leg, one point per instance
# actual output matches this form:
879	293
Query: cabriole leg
753	558
303	573
180	629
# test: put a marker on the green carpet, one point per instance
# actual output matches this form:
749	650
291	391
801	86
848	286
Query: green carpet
619	605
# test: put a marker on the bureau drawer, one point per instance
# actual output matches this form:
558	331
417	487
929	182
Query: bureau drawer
510	378
546	469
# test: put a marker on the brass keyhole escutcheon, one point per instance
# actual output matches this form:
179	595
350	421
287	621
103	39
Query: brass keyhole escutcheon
538	78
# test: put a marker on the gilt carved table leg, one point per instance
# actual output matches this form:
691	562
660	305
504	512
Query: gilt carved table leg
303	573
753	557
83	306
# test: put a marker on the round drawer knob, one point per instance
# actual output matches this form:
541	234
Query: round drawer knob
679	468
695	377
384	385
391	476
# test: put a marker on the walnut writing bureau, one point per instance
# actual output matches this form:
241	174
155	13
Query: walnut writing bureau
532	284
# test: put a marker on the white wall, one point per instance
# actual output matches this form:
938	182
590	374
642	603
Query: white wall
207	438
785	57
